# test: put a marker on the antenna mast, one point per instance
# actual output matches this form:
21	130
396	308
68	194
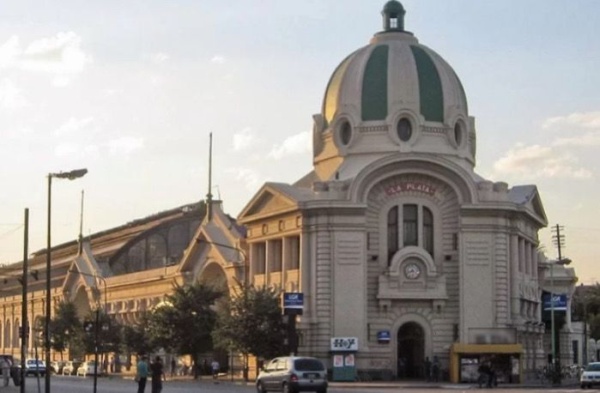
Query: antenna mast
209	195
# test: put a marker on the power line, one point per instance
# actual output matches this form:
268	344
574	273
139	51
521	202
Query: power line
10	232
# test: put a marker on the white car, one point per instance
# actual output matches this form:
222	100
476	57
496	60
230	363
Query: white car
590	376
35	367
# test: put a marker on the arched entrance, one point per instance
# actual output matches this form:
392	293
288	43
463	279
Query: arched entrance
411	351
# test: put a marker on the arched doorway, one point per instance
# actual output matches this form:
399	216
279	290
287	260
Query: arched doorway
411	351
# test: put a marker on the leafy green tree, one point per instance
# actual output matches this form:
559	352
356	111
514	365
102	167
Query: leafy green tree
184	323
586	305
66	329
250	322
108	331
136	337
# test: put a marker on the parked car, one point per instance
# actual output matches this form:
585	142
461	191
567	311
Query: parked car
70	367
15	368
293	374
590	376
87	368
35	367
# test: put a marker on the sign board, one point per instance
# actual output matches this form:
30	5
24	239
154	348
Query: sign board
559	301
383	336
344	344
293	303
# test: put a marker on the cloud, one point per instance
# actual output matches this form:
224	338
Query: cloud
10	96
217	59
60	55
244	139
587	140
73	126
582	120
125	145
159	57
295	144
249	177
539	161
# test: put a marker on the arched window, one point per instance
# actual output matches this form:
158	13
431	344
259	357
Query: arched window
411	225
178	240
392	234
136	257
157	251
417	228
428	231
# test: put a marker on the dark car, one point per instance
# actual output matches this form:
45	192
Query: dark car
293	374
15	369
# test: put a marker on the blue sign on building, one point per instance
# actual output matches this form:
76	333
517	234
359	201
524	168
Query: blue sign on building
293	303
383	336
559	301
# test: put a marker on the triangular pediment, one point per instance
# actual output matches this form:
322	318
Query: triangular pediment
528	198
267	201
536	205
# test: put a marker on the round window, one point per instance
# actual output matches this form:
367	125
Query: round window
458	133
345	133
404	129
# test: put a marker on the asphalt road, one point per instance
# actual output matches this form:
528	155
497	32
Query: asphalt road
62	384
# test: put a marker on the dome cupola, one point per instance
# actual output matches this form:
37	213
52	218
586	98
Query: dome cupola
394	95
393	16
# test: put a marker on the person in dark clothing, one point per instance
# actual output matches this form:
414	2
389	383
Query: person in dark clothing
484	372
427	367
435	369
158	375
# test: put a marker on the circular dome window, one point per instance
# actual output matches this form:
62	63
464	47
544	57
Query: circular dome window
345	133
404	129
458	133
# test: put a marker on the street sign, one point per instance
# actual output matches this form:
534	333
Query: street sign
293	303
559	302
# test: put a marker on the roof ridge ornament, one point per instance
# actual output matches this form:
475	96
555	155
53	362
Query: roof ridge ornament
393	16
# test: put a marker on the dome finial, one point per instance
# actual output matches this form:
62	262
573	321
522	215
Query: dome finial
393	16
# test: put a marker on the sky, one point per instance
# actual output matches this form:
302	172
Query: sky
131	90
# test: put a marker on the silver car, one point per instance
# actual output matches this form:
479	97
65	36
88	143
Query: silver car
292	374
590	376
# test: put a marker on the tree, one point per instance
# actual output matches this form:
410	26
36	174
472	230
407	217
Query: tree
108	331
136	337
251	322
66	329
586	306
184	323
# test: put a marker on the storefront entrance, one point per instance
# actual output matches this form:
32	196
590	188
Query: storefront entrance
411	351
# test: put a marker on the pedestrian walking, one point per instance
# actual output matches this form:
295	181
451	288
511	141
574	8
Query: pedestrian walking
5	366
158	375
141	374
173	366
435	369
215	366
427	367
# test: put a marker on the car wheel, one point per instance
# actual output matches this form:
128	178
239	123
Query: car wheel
260	387
322	391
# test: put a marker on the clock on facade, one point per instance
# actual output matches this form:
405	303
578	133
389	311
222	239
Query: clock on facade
412	271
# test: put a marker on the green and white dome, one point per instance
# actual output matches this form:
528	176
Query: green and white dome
394	86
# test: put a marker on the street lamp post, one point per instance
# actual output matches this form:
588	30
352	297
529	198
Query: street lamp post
555	364
71	175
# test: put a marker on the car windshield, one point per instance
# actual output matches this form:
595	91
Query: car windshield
593	367
308	365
